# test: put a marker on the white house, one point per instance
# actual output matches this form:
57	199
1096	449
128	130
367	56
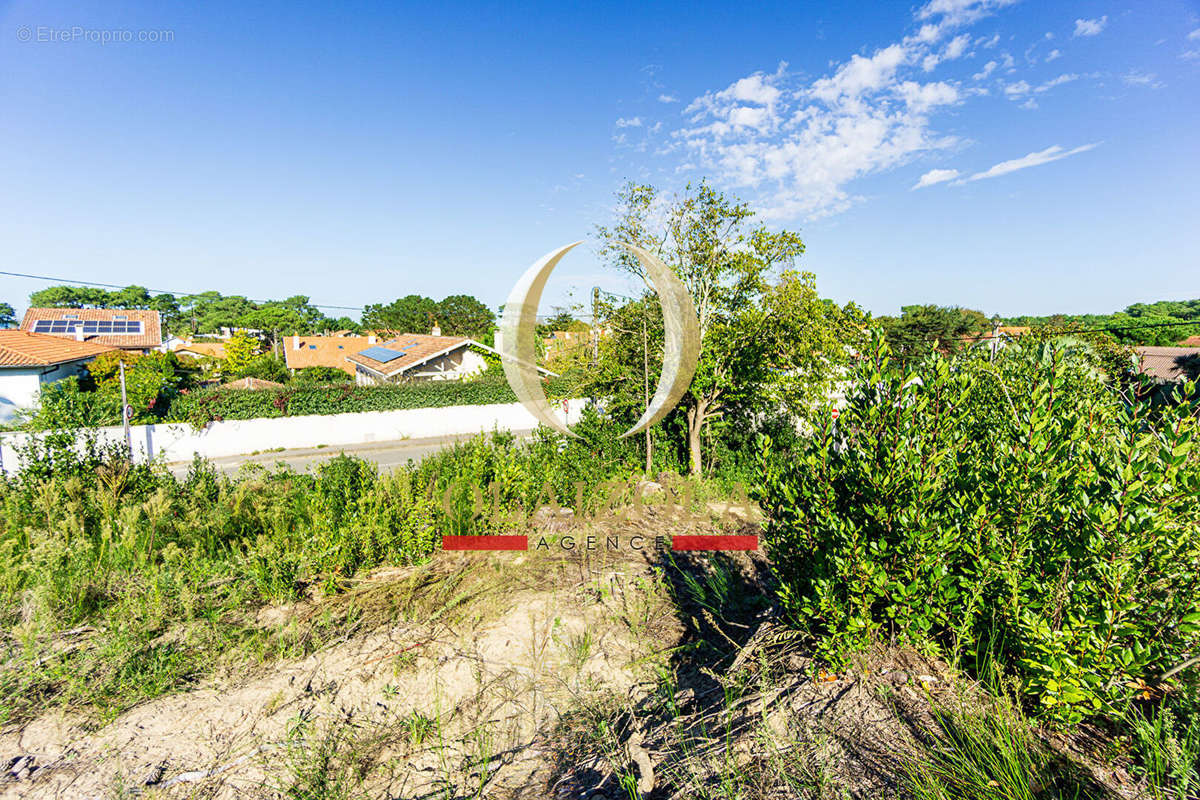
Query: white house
30	360
415	356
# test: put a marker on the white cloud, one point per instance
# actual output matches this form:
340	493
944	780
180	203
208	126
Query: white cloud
955	13
936	176
1190	55
988	69
1032	160
1059	81
956	47
1030	104
1017	89
1137	78
860	75
1008	61
1053	55
1090	27
1194	35
668	98
632	122
795	147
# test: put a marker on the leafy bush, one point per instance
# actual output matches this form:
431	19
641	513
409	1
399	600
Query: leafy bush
1020	509
200	408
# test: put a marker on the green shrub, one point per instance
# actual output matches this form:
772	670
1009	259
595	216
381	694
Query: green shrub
1020	509
201	408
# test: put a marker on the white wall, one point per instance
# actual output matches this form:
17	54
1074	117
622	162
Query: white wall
20	386
179	442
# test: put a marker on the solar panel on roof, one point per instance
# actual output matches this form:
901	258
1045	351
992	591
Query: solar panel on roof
381	354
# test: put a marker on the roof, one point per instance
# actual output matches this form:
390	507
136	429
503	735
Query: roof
323	351
25	349
1191	341
251	383
415	349
211	349
1169	363
149	336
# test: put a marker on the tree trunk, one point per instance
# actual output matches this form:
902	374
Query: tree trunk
695	422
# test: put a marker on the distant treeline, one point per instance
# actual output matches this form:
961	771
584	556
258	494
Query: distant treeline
208	312
1134	323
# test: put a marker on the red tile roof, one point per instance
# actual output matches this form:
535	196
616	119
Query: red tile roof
322	351
25	349
1169	363
417	348
151	335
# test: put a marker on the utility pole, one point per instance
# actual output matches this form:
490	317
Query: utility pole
595	326
125	409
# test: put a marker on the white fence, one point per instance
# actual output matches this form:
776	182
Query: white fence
180	441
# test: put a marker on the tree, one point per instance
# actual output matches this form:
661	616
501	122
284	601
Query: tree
240	350
463	315
150	379
726	261
410	314
8	317
921	329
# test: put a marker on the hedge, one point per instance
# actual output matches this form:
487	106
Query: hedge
200	408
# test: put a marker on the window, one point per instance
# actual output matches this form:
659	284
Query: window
312	347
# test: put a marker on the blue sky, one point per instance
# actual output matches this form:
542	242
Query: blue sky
1014	157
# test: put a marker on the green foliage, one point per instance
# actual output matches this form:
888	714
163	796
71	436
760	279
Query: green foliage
164	571
265	366
8	317
1166	740
456	315
463	315
313	375
207	311
152	382
1173	316
758	319
1021	508
921	329
240	349
298	399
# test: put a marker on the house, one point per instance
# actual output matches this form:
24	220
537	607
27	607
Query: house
138	330
201	350
1169	363
30	360
999	338
416	356
324	351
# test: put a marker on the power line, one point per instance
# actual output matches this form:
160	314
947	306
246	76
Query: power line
984	336
156	291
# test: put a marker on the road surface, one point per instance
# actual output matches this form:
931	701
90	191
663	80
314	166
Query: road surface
388	455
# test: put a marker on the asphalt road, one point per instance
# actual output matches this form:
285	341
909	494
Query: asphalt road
388	455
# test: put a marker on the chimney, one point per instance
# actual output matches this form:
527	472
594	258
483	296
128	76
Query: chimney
295	341
79	333
437	331
370	338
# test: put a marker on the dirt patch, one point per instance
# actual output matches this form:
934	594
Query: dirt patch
446	677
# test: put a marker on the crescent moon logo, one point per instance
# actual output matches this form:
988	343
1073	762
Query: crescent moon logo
518	331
